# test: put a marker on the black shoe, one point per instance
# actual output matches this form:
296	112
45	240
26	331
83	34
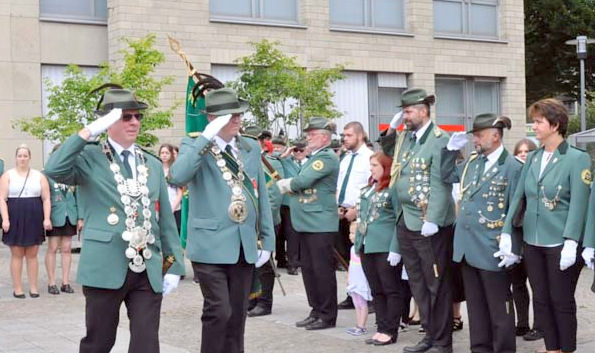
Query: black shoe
18	296
346	304
414	322
522	330
422	346
305	322
259	311
282	264
53	289
33	295
533	335
292	271
66	288
319	325
370	341
195	281
390	341
457	324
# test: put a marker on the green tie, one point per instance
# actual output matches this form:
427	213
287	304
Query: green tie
346	180
125	154
482	165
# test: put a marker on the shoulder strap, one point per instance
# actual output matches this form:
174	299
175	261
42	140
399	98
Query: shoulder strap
25	183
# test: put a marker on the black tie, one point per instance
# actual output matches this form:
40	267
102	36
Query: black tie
413	139
125	155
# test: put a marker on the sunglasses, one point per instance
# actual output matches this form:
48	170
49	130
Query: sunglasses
128	117
298	150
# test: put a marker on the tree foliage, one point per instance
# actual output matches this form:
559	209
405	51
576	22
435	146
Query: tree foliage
70	107
552	67
281	92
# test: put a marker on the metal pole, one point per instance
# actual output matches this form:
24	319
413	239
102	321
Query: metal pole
583	118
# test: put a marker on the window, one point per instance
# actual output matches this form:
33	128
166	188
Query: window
376	15
384	93
458	100
81	10
275	11
474	18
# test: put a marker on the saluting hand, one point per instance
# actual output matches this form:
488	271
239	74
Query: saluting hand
457	141
101	124
215	126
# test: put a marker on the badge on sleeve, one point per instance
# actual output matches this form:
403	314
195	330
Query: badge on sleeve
318	165
586	176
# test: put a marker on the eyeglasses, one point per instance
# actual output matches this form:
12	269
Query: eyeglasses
298	150
128	117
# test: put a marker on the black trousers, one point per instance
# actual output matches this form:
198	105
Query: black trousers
387	291
342	242
428	263
290	236
520	294
318	272
102	315
553	295
491	310
266	277
225	289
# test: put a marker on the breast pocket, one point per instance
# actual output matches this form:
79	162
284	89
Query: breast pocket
98	235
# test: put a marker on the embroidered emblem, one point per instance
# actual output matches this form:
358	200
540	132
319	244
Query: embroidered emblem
318	165
586	176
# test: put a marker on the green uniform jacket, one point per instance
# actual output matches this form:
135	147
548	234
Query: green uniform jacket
275	196
568	175
63	204
291	168
421	167
213	237
589	239
103	263
483	207
381	235
314	207
1	166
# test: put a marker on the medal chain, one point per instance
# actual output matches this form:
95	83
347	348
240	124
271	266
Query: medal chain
138	237
550	204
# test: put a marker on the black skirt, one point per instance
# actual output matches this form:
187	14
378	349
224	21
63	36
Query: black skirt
26	222
66	229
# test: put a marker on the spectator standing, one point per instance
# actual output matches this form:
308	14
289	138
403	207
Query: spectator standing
167	155
25	207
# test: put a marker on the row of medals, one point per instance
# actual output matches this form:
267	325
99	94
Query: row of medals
419	181
237	210
372	213
495	190
131	191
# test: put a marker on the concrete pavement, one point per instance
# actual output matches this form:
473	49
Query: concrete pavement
56	323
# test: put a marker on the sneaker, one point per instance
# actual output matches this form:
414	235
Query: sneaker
421	331
533	335
403	327
357	331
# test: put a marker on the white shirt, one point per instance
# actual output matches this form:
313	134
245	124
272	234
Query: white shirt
420	133
492	158
358	177
131	157
222	144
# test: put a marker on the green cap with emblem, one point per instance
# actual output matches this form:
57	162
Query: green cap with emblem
118	98
490	120
416	96
224	101
252	131
320	123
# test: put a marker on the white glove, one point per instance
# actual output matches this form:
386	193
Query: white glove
396	120
568	254
215	126
393	258
428	229
104	122
284	185
263	257
588	255
457	141
505	245
508	260
170	282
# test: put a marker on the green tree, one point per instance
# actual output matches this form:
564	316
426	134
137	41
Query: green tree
551	66
70	107
281	92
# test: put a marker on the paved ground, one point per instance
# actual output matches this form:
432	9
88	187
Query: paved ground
56	323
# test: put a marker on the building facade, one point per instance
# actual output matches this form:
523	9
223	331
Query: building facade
470	53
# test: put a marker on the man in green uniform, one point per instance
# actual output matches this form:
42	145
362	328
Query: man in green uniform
273	171
424	215
314	217
229	213
128	226
487	181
